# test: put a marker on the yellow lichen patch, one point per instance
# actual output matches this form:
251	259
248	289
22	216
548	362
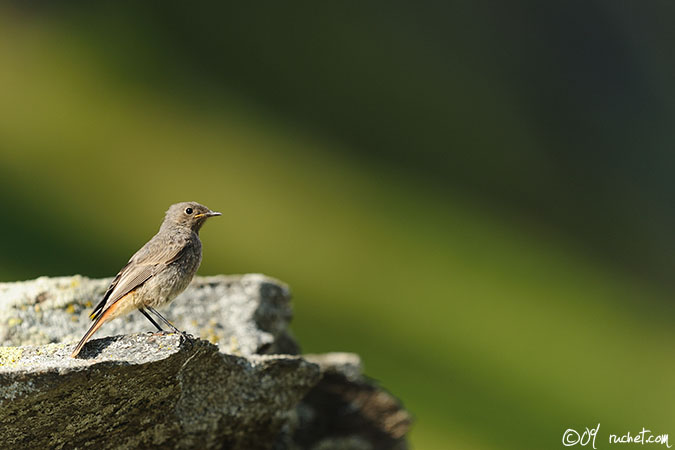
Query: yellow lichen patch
88	304
37	308
14	321
9	355
209	334
70	309
234	345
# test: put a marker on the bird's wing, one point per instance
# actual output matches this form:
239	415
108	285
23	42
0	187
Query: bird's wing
141	267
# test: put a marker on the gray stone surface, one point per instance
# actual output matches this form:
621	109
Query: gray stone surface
145	390
242	314
150	390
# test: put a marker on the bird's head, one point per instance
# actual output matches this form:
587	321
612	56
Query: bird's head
190	215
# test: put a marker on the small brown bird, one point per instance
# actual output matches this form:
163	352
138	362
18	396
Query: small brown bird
158	272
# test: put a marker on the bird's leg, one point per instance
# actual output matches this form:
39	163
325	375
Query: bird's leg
147	316
183	334
163	319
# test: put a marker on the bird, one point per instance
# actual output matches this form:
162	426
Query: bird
156	273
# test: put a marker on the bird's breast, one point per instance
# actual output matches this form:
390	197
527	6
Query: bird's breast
175	277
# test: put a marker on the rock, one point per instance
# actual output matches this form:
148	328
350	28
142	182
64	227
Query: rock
146	390
243	314
154	390
345	410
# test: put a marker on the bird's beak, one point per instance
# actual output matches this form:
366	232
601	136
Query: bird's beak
208	214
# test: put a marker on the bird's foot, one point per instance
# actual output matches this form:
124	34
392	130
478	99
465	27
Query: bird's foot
186	338
160	333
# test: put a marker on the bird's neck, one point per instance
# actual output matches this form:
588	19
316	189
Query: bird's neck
180	229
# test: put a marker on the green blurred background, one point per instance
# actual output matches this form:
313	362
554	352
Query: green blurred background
477	197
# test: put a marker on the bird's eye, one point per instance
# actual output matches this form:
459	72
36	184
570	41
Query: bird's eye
188	211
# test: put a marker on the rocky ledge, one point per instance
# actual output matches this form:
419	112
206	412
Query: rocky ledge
242	385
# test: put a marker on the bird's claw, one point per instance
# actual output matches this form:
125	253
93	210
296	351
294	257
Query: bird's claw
186	337
159	333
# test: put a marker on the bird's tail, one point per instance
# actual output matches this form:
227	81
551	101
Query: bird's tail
100	320
95	326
